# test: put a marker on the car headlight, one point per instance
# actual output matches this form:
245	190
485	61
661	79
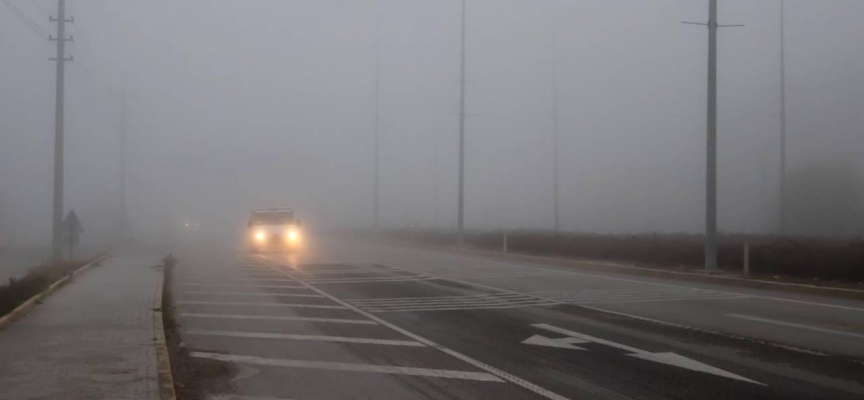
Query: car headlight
260	236
293	235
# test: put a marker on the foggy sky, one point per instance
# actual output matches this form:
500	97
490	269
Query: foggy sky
234	105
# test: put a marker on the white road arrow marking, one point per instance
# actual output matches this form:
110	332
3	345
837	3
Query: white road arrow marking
662	358
561	343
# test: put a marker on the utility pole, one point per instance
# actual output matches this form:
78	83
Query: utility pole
376	185
461	217
711	147
60	59
783	227
555	166
711	156
122	227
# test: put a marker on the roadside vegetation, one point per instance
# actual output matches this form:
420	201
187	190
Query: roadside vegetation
803	258
37	279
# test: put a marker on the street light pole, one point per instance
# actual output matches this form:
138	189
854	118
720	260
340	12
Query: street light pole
461	195
376	185
782	221
555	180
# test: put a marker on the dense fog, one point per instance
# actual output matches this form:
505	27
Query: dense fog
232	105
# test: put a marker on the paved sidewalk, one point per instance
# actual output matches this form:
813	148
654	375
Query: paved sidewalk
91	339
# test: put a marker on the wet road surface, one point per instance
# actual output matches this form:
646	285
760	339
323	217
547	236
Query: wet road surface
352	320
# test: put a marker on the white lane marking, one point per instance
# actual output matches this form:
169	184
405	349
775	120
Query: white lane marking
340	339
279	318
655	321
661	300
488	368
532	265
348	271
241	397
246	274
667	358
251	294
435	299
244	372
249	286
561	343
211	278
794	325
457	308
338	366
253	304
708	331
372	280
500	275
516	303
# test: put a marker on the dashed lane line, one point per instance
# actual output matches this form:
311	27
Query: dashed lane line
195	292
254	304
647	319
338	366
279	318
644	282
283	336
495	372
794	325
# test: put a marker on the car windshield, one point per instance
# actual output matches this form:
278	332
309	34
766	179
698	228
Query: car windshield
272	217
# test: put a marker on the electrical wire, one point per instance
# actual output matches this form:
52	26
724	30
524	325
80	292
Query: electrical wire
40	7
32	25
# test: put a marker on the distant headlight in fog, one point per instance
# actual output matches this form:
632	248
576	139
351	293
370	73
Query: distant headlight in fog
293	235
260	236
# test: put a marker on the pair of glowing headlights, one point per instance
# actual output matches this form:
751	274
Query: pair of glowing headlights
291	235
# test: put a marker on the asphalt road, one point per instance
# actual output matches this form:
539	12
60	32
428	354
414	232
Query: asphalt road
355	320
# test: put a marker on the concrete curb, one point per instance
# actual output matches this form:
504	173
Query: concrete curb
21	309
163	360
607	266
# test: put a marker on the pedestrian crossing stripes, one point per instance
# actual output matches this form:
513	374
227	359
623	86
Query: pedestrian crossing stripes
446	303
614	296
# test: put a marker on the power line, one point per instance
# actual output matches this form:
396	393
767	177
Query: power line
40	7
32	25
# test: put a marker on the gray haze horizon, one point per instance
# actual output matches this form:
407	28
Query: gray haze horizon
261	103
